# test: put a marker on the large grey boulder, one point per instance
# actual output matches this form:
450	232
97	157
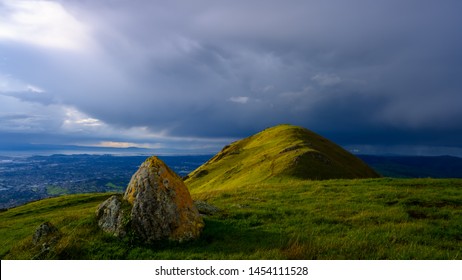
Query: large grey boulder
160	207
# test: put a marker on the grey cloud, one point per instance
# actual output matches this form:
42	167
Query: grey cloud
379	71
31	96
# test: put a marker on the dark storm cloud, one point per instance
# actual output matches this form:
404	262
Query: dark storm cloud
382	72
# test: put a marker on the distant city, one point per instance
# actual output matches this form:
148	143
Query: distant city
28	178
25	179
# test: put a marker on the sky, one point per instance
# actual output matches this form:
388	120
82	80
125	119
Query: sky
189	77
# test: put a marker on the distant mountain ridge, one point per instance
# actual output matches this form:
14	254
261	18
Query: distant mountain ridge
280	151
415	166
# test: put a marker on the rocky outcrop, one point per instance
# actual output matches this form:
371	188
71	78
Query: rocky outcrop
160	207
206	209
111	216
45	233
45	238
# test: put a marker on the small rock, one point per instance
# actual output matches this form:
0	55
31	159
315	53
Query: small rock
206	209
45	237
44	233
110	216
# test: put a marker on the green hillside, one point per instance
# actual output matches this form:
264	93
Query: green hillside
273	205
277	153
333	219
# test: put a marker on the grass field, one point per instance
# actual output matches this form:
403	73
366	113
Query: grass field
281	218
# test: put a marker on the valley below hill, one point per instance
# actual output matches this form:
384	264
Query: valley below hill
26	179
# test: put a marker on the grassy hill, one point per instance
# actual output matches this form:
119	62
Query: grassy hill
333	219
272	207
283	151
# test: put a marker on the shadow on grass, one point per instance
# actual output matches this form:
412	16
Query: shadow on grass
220	240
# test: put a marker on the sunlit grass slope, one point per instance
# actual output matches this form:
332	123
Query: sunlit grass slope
272	207
73	215
278	152
291	219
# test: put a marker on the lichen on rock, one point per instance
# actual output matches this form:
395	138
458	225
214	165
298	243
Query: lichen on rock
160	206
